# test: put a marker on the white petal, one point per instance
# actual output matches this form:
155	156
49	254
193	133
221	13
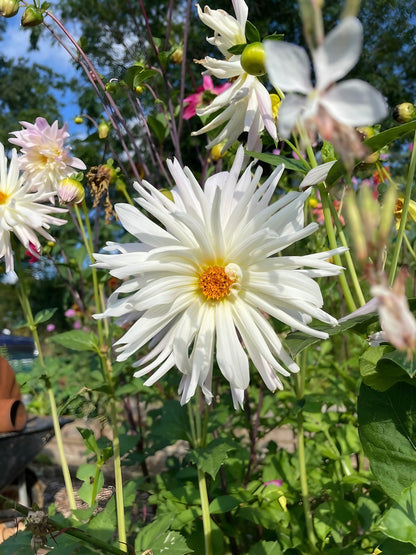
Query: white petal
316	175
339	52
288	66
355	102
290	110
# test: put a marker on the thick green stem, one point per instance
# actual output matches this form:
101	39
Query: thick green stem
406	201
206	517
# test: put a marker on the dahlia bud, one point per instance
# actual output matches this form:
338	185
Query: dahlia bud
366	133
9	8
78	120
103	130
139	89
70	191
252	59
404	112
31	17
177	56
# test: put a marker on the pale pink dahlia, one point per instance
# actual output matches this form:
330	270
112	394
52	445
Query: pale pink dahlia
45	160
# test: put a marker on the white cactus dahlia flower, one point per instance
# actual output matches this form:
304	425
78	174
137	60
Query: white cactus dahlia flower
201	282
22	212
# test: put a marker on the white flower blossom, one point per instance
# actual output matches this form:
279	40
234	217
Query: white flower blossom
22	212
327	105
202	283
246	105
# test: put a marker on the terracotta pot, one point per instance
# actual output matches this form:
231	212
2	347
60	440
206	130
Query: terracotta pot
12	415
8	385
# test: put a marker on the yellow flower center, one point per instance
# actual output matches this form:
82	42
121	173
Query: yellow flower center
276	101
215	283
3	197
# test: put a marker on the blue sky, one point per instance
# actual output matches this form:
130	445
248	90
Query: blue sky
15	43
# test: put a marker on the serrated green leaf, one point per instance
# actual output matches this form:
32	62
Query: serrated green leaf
387	428
44	315
77	340
274	36
88	474
265	548
158	125
399	522
210	459
276	160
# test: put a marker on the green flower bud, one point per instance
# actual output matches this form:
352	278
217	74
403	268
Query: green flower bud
177	56
31	17
78	120
405	112
9	8
252	59
103	130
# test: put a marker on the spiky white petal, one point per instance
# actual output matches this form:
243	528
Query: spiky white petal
229	226
22	212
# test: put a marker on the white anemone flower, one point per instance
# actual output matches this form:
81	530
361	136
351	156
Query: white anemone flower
201	284
45	160
246	106
326	106
22	212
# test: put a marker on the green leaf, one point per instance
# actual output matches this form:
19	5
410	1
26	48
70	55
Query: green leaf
387	428
382	139
274	36
210	459
159	126
223	504
44	315
376	143
252	33
237	49
77	340
265	548
378	370
276	159
89	440
399	522
87	473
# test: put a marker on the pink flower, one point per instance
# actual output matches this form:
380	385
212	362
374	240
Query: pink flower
33	253
77	325
50	327
44	159
319	213
277	483
70	313
196	99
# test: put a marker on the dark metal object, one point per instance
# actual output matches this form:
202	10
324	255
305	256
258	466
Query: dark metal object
18	449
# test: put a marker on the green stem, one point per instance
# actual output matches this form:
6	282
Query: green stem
74	532
121	524
206	517
409	246
106	367
406	201
27	310
347	254
300	390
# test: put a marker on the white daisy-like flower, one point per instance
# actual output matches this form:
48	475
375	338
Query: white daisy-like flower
45	160
22	212
321	107
201	282
246	104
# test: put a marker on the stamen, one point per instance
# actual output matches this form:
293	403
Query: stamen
215	283
3	197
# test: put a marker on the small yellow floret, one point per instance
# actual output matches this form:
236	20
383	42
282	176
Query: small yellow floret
214	282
